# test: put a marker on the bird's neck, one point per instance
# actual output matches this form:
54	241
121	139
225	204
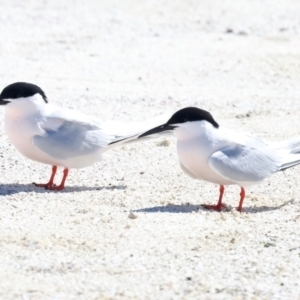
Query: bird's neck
22	108
191	130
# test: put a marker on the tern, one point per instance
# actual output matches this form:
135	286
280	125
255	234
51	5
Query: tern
56	136
209	152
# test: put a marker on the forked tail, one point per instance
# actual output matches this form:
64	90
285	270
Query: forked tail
291	152
291	161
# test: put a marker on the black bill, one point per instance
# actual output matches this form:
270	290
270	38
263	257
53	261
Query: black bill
3	102
158	129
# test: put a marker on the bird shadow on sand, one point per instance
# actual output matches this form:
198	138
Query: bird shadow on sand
189	208
259	209
11	189
171	208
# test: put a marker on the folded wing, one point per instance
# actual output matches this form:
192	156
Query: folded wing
243	164
64	139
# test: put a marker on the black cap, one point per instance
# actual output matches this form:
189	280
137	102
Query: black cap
190	114
20	90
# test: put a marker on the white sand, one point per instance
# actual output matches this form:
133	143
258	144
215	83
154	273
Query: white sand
128	60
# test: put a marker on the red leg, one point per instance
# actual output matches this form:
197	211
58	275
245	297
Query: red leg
243	194
62	184
219	206
50	183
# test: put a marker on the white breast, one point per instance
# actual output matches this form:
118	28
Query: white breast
20	132
195	145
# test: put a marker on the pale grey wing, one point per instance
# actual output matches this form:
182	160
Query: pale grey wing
71	139
243	164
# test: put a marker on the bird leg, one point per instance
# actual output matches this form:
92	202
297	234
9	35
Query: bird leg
62	184
50	183
243	194
219	205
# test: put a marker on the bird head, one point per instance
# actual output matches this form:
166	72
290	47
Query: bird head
24	91
180	118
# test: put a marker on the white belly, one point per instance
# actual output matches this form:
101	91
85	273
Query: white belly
23	143
194	158
21	133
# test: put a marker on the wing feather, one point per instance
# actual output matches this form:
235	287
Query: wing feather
63	139
243	164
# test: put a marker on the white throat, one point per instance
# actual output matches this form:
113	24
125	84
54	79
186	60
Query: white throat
191	130
24	106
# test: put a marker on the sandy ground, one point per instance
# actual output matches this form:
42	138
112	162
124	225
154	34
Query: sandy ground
128	61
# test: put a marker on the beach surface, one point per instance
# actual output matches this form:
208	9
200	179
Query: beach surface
132	226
